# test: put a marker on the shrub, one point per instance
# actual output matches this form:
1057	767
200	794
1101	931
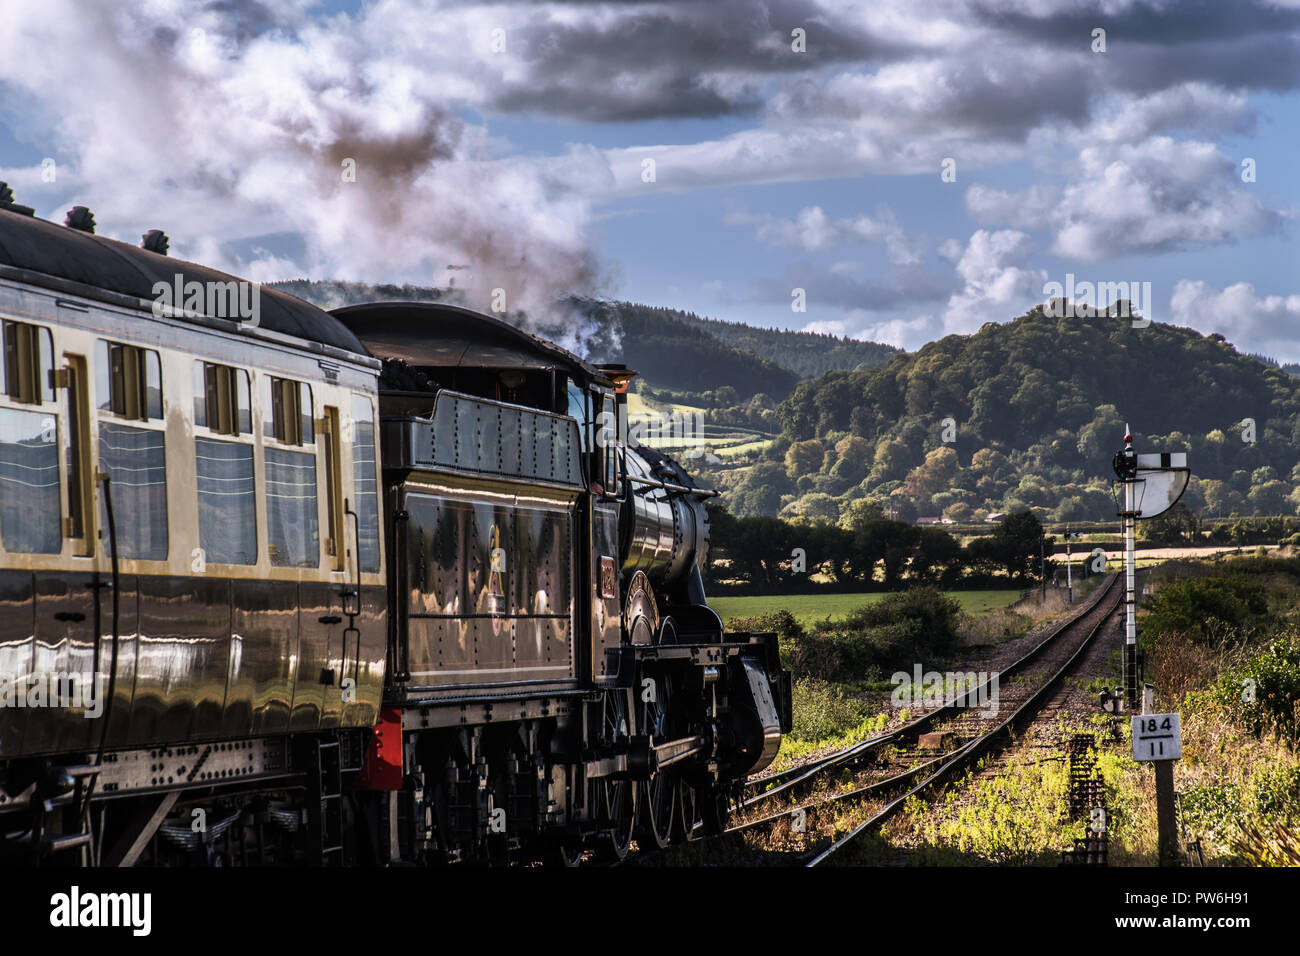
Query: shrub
821	710
1204	609
1264	694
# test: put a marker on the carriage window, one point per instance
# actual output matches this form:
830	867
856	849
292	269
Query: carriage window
221	399
29	483
227	509
287	411
291	513
28	363
364	483
128	381
135	460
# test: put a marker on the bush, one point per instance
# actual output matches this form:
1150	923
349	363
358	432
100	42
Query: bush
1205	609
822	710
1277	793
908	625
920	625
893	633
784	624
1264	694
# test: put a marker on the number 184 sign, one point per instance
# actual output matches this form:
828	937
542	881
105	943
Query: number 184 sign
1157	737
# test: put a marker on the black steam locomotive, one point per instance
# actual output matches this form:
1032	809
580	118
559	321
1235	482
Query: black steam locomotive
383	585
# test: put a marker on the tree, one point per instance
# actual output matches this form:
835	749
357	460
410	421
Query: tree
758	491
935	474
859	511
1268	498
830	546
960	512
815	504
1217	497
1178	525
1102	436
936	550
890	542
856	452
1014	543
892	460
804	458
759	549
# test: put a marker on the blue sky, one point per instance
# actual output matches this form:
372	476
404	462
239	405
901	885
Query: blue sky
511	137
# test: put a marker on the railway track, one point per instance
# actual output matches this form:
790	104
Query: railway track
1058	656
872	765
1021	685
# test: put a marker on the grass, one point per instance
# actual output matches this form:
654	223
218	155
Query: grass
1010	818
726	441
744	448
809	608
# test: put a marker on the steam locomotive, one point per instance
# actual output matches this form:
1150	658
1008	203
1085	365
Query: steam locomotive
387	585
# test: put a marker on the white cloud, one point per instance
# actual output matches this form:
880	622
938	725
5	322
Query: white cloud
1160	195
812	230
904	332
1269	324
1157	196
1028	209
827	327
998	283
1194	105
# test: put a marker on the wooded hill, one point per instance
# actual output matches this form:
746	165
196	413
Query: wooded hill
808	354
1034	408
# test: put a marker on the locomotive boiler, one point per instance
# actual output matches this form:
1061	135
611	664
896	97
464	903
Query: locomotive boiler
386	585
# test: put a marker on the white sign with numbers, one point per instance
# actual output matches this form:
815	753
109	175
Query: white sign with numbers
1157	737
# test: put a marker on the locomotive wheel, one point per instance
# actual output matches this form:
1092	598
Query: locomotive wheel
687	812
658	811
616	799
714	809
640	612
659	793
566	855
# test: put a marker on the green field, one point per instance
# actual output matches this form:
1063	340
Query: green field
726	441
817	607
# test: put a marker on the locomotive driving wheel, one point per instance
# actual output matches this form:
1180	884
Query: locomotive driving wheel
659	793
616	799
640	612
688	814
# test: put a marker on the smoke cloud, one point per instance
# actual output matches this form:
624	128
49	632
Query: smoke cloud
277	146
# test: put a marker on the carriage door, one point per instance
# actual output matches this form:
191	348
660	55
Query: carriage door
322	601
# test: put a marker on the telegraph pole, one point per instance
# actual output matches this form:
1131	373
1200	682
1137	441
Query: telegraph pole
1069	570
1042	563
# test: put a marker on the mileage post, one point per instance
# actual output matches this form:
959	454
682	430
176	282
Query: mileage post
1158	739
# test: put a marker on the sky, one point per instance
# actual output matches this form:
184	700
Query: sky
892	170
